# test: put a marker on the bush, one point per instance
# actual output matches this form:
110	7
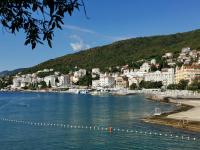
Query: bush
182	85
86	80
44	74
195	85
133	86
43	84
172	86
150	84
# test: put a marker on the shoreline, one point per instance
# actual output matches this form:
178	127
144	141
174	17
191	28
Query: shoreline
176	118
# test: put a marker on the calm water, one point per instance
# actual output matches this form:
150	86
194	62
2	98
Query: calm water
84	110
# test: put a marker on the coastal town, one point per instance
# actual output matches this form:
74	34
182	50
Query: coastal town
180	72
175	78
107	74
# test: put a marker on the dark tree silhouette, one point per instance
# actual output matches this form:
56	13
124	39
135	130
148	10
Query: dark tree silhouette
38	18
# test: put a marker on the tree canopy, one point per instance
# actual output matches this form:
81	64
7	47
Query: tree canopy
182	85
150	84
37	18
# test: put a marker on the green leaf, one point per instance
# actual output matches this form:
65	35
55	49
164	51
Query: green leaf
53	26
49	43
33	45
59	26
27	42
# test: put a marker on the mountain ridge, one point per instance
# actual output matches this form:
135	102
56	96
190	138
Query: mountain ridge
11	72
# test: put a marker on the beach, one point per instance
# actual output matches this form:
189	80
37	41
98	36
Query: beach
186	116
191	114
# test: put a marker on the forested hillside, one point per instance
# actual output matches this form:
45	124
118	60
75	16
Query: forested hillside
123	52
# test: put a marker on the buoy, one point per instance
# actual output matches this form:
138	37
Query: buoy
110	129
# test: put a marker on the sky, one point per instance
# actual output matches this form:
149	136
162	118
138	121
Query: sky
109	21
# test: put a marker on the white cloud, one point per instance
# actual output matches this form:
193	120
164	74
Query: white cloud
79	44
84	30
76	28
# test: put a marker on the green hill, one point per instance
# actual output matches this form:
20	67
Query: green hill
123	52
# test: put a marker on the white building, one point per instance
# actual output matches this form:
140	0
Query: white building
153	61
64	81
167	76
133	73
95	72
193	54
23	84
46	70
50	79
95	83
57	73
107	81
145	67
74	79
40	79
135	80
168	55
27	79
185	50
22	81
80	73
77	75
121	82
16	83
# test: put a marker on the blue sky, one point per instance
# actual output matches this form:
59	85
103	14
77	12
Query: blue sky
110	20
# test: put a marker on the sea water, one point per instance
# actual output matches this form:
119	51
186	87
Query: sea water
35	121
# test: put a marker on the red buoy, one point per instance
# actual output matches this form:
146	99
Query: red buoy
110	129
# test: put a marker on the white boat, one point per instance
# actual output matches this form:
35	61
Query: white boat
76	91
100	93
83	91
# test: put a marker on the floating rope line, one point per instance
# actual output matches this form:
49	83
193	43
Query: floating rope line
98	128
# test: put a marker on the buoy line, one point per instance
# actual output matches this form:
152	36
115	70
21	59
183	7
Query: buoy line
99	128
